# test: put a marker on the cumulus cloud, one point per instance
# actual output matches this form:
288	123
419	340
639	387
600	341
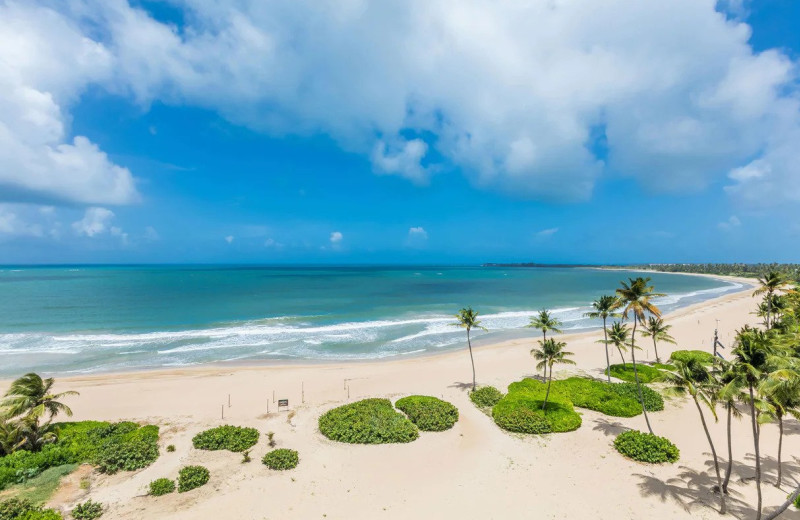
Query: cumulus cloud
45	64
336	238
516	94
13	222
418	233
96	221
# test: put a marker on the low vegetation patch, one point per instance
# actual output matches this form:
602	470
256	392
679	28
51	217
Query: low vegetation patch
231	438
485	396
281	459
371	421
161	486
647	374
646	447
428	413
521	411
702	357
192	477
87	511
111	447
40	488
17	509
614	399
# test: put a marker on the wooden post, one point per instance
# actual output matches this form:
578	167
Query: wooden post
229	400
302	391
348	392
273	396
223	412
267	406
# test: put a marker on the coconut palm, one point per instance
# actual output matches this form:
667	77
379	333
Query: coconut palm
728	393
544	321
635	297
655	328
782	391
12	437
604	308
618	336
694	380
468	319
32	397
770	284
550	353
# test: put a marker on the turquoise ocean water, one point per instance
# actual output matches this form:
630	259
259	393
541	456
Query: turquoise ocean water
68	320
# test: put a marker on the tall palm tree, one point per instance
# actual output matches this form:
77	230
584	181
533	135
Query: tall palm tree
782	391
635	297
551	352
770	284
728	393
32	397
693	379
618	336
544	321
604	308
658	330
468	319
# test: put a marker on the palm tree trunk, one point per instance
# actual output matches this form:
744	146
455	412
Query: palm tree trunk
656	349
620	355
755	443
722	508
730	452
547	394
472	359
780	445
769	309
608	359
544	338
636	375
783	507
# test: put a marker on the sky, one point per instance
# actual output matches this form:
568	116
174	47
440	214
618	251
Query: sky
413	131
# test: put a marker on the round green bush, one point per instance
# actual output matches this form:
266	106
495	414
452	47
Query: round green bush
521	411
171	448
371	421
704	358
485	396
522	420
428	413
281	459
647	374
646	447
231	438
162	486
653	402
191	477
87	511
20	509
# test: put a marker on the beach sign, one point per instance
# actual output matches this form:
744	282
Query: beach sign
283	402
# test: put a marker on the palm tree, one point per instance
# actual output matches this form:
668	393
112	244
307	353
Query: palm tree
551	352
658	330
693	379
604	308
468	319
728	393
770	283
618	336
635	296
782	390
544	322
32	397
12	437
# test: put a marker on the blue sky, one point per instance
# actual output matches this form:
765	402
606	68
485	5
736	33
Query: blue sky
399	132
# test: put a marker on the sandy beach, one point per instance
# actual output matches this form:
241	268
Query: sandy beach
473	471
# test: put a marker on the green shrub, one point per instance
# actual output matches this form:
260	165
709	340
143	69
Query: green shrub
162	486
281	459
171	448
428	413
646	447
647	374
231	438
704	358
485	396
797	502
16	509
653	402
191	477
41	514
521	409
88	511
371	421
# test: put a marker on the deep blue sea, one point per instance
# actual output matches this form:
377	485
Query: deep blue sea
96	319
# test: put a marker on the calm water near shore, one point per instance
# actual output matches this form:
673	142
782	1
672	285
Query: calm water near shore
94	319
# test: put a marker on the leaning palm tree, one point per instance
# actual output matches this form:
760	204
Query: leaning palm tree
693	379
618	336
658	330
550	353
32	397
544	321
770	284
468	319
635	297
604	308
12	437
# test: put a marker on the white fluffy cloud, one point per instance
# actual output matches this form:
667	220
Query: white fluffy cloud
45	63
418	233
336	238
96	221
15	221
521	95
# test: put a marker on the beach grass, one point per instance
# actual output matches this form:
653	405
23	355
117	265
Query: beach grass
39	489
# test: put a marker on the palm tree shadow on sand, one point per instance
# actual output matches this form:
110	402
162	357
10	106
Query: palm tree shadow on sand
609	429
461	385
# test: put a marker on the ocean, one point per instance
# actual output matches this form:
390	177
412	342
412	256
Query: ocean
88	319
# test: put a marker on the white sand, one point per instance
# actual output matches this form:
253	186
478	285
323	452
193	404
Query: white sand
474	471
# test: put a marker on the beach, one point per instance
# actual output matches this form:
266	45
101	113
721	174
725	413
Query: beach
473	471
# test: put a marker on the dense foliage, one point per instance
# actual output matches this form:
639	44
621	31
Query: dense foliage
789	271
687	356
192	477
428	413
87	511
647	374
231	438
111	447
15	509
521	410
370	421
646	447
161	486
485	396
281	459
614	399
